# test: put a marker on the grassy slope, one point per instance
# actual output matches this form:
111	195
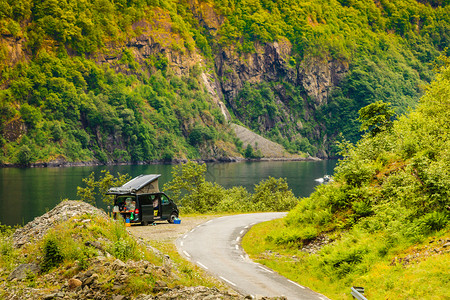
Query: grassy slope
387	213
70	238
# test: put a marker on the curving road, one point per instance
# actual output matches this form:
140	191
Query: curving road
215	246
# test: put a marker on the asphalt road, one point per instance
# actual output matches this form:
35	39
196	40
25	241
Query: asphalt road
215	247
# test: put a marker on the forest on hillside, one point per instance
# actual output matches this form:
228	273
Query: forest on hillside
74	88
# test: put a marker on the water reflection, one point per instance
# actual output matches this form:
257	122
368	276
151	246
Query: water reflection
27	193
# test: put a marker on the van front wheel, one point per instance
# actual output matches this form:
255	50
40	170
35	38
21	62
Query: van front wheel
172	217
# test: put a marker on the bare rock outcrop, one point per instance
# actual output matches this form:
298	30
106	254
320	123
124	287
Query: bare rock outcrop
36	229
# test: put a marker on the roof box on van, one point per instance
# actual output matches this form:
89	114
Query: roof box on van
142	184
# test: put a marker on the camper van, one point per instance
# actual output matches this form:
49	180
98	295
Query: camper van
140	201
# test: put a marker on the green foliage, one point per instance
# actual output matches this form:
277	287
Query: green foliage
190	189
52	255
123	249
200	134
389	192
24	156
98	188
273	195
75	109
381	52
8	254
249	153
376	117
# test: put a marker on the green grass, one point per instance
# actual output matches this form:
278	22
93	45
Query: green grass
339	266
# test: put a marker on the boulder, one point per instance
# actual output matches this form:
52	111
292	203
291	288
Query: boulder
74	283
21	271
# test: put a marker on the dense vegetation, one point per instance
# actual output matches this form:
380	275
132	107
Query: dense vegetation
387	46
60	104
72	89
387	212
193	193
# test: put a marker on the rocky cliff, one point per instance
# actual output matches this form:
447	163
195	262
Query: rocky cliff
143	82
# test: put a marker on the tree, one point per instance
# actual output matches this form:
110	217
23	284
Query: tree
100	187
248	151
25	156
376	117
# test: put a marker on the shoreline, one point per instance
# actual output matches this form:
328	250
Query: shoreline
62	163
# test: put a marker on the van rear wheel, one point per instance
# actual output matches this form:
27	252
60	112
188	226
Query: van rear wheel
172	217
144	223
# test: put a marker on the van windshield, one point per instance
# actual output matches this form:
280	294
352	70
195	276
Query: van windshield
125	203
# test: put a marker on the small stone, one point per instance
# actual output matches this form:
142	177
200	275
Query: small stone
74	283
49	296
160	286
90	280
118	264
119	297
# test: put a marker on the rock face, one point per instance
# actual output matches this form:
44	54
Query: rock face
269	62
223	73
37	228
318	76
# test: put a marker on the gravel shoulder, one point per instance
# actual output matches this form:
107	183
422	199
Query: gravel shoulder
163	231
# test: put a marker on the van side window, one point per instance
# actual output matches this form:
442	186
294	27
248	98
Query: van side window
164	200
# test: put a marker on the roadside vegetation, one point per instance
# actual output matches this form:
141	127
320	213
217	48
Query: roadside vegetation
90	244
194	194
383	223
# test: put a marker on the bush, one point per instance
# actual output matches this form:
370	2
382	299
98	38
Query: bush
123	249
190	189
273	195
25	156
52	255
432	222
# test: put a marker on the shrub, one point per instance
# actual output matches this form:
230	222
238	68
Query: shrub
52	254
25	156
273	195
432	222
123	249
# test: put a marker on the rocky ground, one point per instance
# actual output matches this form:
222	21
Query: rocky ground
103	276
163	231
269	149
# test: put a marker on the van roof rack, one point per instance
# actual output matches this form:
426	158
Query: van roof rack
139	184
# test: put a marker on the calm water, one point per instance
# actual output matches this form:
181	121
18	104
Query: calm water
27	193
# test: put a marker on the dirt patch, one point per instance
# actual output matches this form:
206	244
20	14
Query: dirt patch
163	231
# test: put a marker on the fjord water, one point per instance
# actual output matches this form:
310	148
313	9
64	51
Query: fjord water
28	193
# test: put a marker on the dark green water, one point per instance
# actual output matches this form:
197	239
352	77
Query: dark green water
28	193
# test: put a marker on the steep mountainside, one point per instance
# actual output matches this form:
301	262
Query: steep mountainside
143	80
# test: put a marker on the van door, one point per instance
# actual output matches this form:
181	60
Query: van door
146	208
166	208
